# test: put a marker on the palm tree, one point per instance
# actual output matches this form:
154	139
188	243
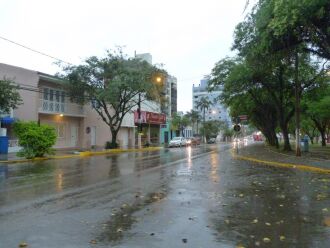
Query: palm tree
203	104
194	118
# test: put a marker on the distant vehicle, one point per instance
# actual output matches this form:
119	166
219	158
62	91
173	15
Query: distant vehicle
193	141
211	141
178	141
257	137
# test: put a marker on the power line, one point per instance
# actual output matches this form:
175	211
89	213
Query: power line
33	50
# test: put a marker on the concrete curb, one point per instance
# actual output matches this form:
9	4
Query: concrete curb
82	154
283	165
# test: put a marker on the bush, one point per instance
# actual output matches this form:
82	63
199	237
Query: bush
109	145
36	140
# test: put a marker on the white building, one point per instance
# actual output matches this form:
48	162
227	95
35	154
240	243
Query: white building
217	111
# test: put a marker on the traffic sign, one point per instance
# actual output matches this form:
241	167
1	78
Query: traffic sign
243	117
237	128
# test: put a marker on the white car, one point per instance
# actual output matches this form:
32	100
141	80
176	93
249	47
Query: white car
178	141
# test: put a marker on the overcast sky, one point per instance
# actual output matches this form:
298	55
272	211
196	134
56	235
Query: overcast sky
187	36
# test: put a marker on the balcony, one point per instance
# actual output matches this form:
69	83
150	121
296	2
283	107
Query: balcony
66	108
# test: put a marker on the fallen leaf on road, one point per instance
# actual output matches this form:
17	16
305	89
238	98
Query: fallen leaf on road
93	241
326	221
23	244
227	221
266	240
240	246
268	224
282	238
321	197
241	195
254	221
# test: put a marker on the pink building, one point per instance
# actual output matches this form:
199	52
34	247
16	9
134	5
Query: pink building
77	126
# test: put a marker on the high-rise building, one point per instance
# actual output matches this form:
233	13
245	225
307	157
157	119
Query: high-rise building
169	91
145	57
217	111
174	95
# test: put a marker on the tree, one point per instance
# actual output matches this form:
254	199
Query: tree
212	128
9	96
299	21
179	123
308	127
243	94
194	118
203	104
114	85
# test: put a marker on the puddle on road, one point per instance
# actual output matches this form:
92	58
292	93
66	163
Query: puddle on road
123	218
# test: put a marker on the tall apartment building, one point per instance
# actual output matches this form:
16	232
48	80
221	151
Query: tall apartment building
170	105
174	95
170	88
217	111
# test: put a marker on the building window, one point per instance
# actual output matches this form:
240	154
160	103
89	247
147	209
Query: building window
46	92
60	130
53	100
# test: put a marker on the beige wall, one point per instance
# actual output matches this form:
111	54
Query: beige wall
29	111
64	125
125	137
27	78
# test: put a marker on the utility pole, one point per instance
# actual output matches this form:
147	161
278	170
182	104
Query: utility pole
297	104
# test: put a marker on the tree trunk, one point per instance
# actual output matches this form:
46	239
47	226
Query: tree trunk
114	133
323	138
322	129
204	126
297	106
197	128
287	146
271	137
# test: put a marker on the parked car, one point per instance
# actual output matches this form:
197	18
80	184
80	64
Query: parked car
193	141
178	141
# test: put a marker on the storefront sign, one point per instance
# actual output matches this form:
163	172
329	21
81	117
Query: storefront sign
149	118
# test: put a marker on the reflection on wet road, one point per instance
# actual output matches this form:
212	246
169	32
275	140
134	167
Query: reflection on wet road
182	197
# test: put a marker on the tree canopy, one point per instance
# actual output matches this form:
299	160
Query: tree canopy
113	84
9	96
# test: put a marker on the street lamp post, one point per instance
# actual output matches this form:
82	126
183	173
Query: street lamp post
139	122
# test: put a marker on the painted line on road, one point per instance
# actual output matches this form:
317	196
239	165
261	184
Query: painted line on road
282	165
82	154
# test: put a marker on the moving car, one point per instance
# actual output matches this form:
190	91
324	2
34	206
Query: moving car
193	141
178	141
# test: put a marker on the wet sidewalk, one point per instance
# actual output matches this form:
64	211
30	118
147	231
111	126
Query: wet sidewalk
70	153
314	158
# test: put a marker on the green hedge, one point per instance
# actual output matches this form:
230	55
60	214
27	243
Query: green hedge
36	140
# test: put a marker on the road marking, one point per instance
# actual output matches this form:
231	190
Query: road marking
282	165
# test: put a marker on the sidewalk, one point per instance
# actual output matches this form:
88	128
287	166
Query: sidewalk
317	158
68	153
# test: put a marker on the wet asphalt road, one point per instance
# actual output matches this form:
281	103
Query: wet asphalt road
180	197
